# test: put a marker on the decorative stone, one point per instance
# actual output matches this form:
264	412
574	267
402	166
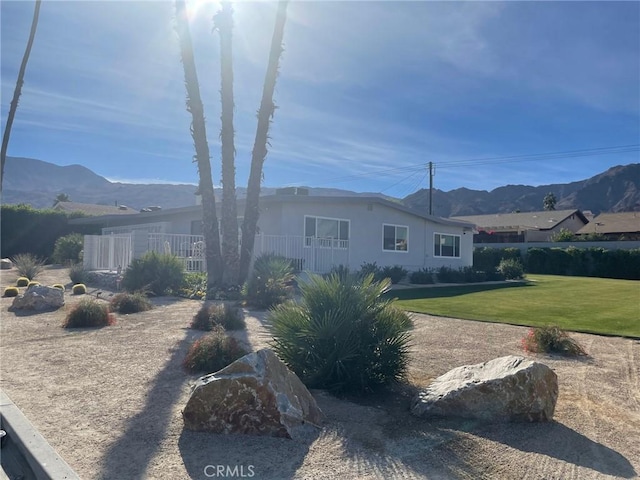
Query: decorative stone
39	297
256	395
505	389
6	264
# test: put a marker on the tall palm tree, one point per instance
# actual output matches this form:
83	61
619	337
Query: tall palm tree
18	90
223	22
265	114
198	132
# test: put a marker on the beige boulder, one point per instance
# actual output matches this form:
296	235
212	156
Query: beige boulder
505	389
255	395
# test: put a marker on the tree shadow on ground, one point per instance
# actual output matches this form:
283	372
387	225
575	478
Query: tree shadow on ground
130	455
558	441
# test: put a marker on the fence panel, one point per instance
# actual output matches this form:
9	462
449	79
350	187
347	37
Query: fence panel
107	252
189	248
317	255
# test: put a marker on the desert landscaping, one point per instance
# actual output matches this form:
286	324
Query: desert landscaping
109	401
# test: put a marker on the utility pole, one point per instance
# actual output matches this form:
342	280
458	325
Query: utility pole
431	174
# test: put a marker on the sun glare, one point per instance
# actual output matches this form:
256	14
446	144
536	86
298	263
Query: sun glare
196	8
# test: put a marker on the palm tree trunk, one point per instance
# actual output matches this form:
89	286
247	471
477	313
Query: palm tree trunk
265	114
223	22
18	90
198	132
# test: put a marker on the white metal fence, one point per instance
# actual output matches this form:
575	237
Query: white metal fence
110	252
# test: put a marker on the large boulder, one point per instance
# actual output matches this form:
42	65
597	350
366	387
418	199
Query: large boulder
502	390
39	297
256	395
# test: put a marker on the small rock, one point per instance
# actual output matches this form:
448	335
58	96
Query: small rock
39	297
6	264
504	389
255	395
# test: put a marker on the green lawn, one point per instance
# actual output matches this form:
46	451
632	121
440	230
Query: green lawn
581	304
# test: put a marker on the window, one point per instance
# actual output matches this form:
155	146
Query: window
395	238
330	232
446	245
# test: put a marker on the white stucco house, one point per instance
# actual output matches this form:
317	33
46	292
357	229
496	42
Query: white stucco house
317	232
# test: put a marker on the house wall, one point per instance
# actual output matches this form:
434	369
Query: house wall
572	223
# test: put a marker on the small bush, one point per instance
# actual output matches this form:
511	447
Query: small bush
68	248
79	289
213	314
11	292
511	269
77	273
58	285
449	275
341	271
371	268
344	336
396	273
158	273
22	282
270	283
194	285
33	284
551	339
424	276
213	352
471	275
130	303
89	313
28	265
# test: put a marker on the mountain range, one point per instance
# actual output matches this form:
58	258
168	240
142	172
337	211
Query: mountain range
37	183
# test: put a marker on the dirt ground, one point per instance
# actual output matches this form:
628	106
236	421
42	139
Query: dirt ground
109	401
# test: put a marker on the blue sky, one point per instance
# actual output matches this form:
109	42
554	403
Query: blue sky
368	92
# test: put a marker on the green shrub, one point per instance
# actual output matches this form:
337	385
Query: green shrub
213	352
11	292
130	302
77	273
68	249
158	273
194	285
22	282
551	339
270	282
28	265
33	284
79	289
471	275
396	273
341	271
423	276
563	235
511	269
371	268
212	314
344	336
449	275
59	286
89	313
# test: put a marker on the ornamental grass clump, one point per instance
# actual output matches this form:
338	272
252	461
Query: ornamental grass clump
212	314
130	303
28	265
551	339
89	313
343	336
213	352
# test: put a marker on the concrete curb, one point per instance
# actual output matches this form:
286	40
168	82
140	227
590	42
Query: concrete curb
43	460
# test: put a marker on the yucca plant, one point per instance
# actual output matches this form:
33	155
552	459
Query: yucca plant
28	265
270	282
343	336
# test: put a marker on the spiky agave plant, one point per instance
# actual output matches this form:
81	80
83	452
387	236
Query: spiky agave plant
343	336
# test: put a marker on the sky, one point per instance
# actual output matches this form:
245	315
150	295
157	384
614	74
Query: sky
492	93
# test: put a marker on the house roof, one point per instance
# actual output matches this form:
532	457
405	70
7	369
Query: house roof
544	220
279	199
623	222
93	210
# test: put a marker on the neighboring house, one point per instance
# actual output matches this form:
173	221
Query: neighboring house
614	226
93	210
524	227
317	232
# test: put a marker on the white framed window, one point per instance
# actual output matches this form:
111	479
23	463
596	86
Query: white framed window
395	238
326	232
446	245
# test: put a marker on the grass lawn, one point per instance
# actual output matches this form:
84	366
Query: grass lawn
581	304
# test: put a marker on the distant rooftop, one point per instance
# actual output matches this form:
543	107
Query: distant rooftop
543	220
92	209
624	222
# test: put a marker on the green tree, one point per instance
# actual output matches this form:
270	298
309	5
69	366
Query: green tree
61	197
265	114
564	235
18	90
549	201
223	23
199	134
